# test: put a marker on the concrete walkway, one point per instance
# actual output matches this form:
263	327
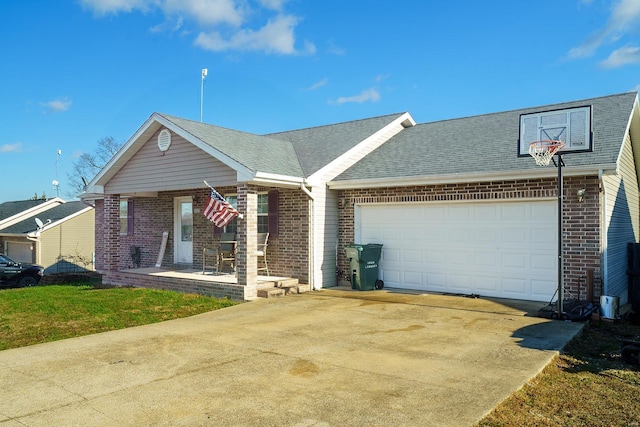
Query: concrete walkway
327	358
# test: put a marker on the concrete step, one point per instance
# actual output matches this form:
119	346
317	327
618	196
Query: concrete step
283	290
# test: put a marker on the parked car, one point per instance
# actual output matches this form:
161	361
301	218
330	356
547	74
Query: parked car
16	274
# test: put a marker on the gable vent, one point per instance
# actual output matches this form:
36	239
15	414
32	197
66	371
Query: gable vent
164	140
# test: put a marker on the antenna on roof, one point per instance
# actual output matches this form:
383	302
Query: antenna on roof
204	74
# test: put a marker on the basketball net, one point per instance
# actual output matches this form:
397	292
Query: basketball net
543	151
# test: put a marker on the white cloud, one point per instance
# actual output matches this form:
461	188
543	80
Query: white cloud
318	85
623	56
105	7
11	148
275	37
273	4
224	24
368	95
58	105
625	17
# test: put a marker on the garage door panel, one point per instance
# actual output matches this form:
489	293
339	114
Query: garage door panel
514	261
413	278
436	281
514	286
503	249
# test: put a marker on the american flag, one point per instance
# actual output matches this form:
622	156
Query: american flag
218	210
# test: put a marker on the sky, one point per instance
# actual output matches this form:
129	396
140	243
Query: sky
73	72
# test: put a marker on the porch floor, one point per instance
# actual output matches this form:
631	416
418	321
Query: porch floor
207	276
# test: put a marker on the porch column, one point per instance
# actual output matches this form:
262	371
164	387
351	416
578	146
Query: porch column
247	262
111	233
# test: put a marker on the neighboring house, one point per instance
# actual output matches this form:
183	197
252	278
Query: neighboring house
458	205
53	233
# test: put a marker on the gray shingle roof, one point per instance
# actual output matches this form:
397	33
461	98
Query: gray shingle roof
488	143
56	213
9	209
255	152
318	146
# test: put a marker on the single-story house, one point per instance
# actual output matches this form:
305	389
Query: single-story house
53	233
458	205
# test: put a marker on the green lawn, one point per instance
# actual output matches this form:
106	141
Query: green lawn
48	313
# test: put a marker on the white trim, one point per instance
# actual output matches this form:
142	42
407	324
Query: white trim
364	147
467	177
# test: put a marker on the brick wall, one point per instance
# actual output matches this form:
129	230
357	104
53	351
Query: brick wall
581	221
287	253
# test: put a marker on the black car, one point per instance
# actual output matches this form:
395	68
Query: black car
15	274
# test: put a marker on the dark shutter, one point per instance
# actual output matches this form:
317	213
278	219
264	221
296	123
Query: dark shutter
130	216
217	231
273	200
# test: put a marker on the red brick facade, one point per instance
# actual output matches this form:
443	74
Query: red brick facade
581	221
287	252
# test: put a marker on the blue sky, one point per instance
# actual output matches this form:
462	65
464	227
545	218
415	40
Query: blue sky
75	71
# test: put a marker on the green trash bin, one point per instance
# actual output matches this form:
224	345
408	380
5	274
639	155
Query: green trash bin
363	262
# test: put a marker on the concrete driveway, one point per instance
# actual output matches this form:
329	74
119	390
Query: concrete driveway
326	358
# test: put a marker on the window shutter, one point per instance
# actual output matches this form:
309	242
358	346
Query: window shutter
217	231
130	216
274	200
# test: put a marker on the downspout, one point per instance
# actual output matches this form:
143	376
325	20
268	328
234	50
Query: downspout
603	231
312	233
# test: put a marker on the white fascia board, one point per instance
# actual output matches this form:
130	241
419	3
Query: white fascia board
263	178
241	169
543	172
364	147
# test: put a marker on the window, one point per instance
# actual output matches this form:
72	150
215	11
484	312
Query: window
263	214
126	216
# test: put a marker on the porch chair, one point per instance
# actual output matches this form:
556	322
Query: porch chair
263	238
212	253
227	250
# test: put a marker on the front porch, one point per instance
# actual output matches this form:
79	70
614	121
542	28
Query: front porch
218	285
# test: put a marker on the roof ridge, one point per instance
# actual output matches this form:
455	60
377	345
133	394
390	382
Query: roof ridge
530	108
336	124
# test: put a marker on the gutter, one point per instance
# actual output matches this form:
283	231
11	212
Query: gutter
458	178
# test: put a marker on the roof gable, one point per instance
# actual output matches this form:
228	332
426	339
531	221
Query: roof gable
318	146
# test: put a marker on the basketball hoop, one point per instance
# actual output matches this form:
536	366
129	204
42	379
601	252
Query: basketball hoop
543	151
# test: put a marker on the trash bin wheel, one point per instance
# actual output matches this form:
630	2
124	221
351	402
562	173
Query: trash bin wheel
379	284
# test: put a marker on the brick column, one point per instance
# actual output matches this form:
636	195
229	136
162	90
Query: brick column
111	233
247	262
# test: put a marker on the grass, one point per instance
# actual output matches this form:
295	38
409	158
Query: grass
587	385
48	313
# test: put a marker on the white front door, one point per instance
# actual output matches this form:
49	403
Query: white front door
183	230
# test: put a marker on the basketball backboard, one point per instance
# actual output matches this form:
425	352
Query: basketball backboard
569	125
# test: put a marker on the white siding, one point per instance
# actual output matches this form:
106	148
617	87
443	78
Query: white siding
622	222
325	225
182	166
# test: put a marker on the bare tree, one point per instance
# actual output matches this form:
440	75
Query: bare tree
89	164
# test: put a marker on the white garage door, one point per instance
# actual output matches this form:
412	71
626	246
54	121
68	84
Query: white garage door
506	249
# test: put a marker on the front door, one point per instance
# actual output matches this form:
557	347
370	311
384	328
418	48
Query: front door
183	229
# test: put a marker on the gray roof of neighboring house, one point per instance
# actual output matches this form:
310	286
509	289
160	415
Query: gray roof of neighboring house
316	147
488	143
255	152
9	209
54	214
